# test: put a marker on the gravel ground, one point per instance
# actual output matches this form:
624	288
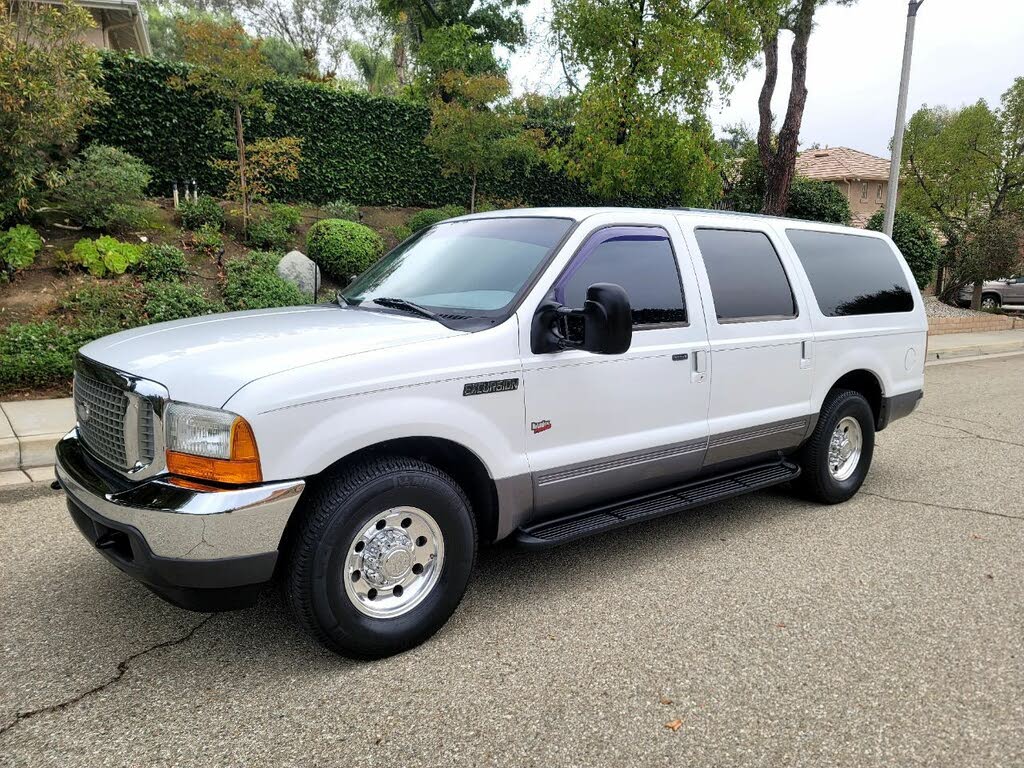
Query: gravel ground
935	308
767	631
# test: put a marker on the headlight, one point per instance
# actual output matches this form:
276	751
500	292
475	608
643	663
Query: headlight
210	444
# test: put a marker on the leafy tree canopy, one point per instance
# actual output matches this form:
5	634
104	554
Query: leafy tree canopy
916	241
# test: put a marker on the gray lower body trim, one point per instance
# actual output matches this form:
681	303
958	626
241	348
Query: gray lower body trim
580	484
741	443
898	406
515	503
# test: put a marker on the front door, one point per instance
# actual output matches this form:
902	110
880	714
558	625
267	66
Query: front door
606	426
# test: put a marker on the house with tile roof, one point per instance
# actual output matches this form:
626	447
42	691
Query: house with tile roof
119	25
863	178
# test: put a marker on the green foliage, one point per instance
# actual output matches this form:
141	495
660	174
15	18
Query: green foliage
286	59
915	240
104	307
491	21
342	209
354	146
431	216
103	189
268	233
48	85
815	200
208	241
470	136
643	65
455	48
173	301
289	216
105	256
252	282
375	66
343	248
38	354
18	248
200	213
161	262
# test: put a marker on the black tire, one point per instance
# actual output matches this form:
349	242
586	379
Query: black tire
994	298
816	481
335	512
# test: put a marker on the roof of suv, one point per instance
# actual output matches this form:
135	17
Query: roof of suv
581	213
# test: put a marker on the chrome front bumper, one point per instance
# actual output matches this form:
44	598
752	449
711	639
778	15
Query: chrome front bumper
173	538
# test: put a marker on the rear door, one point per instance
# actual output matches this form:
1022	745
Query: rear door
762	344
606	426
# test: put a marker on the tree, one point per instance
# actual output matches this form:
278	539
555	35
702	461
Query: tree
645	63
916	241
964	172
375	67
777	153
48	79
469	135
452	49
228	65
816	200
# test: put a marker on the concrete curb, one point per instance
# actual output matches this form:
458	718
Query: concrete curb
950	346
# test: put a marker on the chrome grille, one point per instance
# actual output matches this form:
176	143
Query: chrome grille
100	409
147	433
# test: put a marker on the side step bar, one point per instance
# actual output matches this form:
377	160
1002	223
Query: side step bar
608	517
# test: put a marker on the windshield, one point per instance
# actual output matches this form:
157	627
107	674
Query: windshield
478	265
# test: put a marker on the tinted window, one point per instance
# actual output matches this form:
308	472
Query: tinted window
850	274
747	278
641	261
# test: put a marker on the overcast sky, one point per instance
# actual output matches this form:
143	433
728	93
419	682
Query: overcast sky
963	50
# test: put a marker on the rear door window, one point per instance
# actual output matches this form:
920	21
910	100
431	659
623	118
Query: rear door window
748	282
852	274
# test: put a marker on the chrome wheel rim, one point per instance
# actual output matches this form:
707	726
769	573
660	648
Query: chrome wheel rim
394	562
844	448
988	303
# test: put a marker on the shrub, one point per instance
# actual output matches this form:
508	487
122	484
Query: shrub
343	248
288	216
268	234
104	187
432	216
208	240
202	213
161	262
915	240
104	308
342	209
36	354
173	301
815	200
18	248
252	282
105	255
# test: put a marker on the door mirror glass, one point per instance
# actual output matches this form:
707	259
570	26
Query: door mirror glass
607	323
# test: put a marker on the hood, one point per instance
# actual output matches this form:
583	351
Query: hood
204	360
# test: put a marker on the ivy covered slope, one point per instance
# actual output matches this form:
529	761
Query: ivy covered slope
354	146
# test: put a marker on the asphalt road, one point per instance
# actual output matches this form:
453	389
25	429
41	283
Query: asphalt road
885	631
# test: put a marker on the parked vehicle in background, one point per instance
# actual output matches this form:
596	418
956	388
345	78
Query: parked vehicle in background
540	375
996	293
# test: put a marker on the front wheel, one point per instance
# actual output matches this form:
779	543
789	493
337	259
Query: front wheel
990	301
836	458
382	557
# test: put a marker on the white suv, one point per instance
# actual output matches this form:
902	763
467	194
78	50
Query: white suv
539	375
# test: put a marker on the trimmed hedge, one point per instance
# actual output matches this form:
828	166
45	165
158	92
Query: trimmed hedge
354	146
432	216
343	248
915	240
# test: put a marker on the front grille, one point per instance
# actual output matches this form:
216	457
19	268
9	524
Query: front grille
101	409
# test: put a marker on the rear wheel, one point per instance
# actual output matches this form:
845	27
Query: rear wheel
382	557
836	458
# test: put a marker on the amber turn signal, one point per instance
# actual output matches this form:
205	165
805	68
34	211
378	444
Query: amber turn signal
242	468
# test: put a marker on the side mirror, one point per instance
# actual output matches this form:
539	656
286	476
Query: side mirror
607	323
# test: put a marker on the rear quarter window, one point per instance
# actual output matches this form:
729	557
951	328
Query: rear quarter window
852	274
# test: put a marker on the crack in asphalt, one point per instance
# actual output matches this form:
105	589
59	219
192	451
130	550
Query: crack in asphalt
967	431
922	412
122	668
936	505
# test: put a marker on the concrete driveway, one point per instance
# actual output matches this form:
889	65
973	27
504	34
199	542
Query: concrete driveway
767	631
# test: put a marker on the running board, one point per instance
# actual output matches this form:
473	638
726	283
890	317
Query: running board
608	517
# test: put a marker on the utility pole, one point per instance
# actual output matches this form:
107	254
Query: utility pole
901	118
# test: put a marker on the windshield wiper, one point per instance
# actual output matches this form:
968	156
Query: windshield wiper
408	306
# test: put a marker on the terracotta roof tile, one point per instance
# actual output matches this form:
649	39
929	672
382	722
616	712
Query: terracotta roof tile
839	163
